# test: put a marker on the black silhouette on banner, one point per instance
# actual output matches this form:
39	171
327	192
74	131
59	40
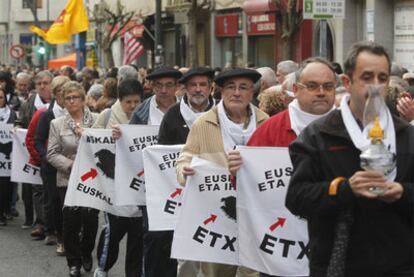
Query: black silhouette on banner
6	149
106	162
229	207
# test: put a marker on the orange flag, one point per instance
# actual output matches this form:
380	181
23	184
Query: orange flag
72	20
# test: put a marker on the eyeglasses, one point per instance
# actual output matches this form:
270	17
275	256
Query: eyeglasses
315	87
167	86
72	98
242	88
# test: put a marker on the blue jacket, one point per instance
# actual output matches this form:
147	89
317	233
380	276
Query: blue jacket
141	113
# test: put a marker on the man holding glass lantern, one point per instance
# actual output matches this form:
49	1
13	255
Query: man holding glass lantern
360	221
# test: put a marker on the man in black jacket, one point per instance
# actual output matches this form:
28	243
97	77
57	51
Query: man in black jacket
354	231
174	129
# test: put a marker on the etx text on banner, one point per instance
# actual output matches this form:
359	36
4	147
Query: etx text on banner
271	239
207	229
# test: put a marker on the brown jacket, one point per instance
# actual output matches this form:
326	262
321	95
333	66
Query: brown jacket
205	141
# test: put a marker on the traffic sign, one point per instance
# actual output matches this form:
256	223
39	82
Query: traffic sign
17	51
323	9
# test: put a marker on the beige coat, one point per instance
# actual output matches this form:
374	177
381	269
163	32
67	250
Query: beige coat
205	141
62	148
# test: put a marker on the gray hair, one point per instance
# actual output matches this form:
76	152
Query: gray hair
127	72
43	74
268	75
23	76
287	66
95	91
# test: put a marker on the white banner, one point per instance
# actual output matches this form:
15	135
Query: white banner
129	171
163	193
206	229
271	239
91	182
21	170
6	145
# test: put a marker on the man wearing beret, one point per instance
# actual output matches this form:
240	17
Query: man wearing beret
174	130
164	83
218	131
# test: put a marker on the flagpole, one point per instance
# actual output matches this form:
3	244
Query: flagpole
80	45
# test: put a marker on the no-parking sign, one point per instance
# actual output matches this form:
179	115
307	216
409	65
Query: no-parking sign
17	51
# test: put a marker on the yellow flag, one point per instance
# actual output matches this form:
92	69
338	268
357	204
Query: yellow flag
72	20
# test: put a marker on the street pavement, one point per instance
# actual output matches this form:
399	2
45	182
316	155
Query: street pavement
20	256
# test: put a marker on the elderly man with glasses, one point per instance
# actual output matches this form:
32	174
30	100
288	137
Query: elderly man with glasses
217	132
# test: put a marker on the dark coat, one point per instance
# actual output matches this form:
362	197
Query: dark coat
173	128
382	235
26	112
41	138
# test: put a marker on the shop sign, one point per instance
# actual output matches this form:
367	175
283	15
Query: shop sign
261	24
227	25
324	9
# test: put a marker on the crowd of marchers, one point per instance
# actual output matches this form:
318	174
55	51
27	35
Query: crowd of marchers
316	108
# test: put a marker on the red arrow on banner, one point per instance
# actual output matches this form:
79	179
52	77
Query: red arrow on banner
176	192
90	174
212	218
280	222
140	173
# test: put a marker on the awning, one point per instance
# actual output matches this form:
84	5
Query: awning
266	6
258	6
67	60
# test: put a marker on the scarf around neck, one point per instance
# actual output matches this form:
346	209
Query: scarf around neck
299	119
232	133
155	114
189	114
38	103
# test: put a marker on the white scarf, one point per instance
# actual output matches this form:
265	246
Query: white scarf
360	138
4	114
232	133
299	119
38	103
57	110
155	114
189	114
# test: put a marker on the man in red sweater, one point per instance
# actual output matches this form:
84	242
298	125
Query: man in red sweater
314	98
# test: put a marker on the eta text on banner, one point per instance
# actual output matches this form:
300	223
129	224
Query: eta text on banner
163	193
206	229
129	173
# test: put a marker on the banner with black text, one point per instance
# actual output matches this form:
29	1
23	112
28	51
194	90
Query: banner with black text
206	229
271	239
129	171
21	170
6	146
163	193
91	182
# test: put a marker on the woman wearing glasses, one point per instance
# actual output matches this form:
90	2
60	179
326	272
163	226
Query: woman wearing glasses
64	136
